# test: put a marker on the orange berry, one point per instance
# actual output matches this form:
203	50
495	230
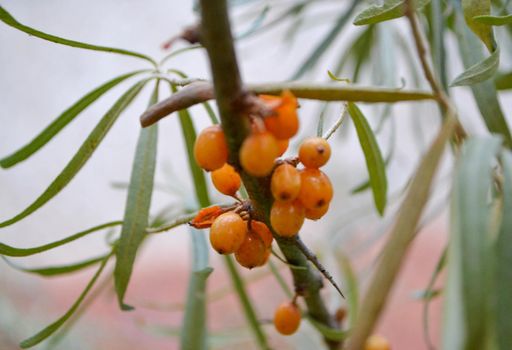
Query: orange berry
258	153
268	251
287	318
262	230
376	342
226	180
283	146
228	233
284	124
210	148
316	213
252	252
285	183
287	218
314	152
315	189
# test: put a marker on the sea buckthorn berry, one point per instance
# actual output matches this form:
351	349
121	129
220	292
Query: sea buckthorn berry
258	153
285	183
315	189
284	123
228	233
287	318
226	180
314	152
283	146
268	251
263	232
252	252
287	218
210	148
376	342
316	213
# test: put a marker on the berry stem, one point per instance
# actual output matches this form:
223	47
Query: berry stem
338	123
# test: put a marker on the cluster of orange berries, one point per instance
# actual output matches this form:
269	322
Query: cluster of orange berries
298	194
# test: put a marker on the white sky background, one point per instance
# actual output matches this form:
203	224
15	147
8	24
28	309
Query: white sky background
39	79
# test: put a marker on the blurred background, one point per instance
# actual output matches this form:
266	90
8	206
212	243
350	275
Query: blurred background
40	79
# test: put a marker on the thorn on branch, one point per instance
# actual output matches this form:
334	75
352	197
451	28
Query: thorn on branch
314	260
190	95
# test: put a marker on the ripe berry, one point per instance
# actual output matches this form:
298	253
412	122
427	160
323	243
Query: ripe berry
314	152
210	148
376	342
283	146
287	318
252	252
284	124
315	189
226	180
258	152
316	213
263	232
228	233
285	183
287	218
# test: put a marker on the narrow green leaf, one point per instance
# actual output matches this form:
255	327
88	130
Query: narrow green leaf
249	311
389	10
429	294
327	332
8	19
374	161
504	81
474	8
57	270
352	287
320	49
493	20
363	186
503	251
48	331
280	280
20	252
61	121
83	154
335	78
485	93
194	331
211	113
438	45
138	202
470	266
480	71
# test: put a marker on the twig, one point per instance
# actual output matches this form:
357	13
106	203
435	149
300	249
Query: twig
202	91
421	47
190	95
314	260
338	123
180	220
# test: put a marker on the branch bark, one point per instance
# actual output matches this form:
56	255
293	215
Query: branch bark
217	39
